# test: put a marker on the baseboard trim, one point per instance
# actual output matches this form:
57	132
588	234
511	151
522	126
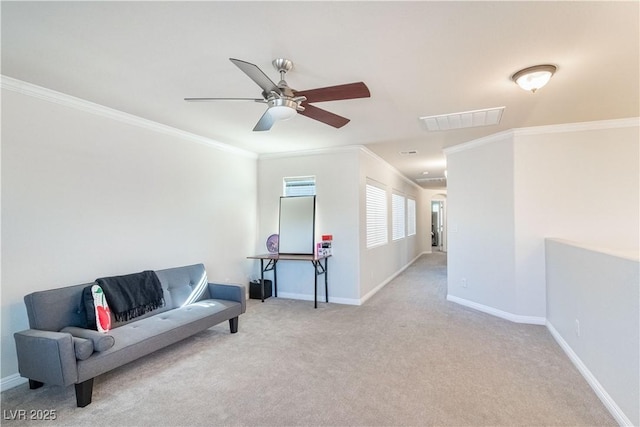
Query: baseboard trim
351	301
602	394
307	297
11	381
517	318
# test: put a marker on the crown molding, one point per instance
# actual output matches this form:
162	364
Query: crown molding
335	150
496	137
578	127
370	153
543	130
60	98
311	152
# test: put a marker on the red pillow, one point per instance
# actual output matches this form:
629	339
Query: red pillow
98	313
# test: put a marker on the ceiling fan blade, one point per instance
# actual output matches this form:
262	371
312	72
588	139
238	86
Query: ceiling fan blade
265	122
336	93
257	76
223	99
323	116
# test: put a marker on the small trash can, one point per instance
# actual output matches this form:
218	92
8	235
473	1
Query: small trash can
254	289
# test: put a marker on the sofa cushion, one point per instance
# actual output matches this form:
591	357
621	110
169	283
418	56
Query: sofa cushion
141	337
184	285
82	347
101	342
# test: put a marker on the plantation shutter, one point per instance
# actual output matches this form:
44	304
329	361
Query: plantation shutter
397	208
376	205
411	217
299	186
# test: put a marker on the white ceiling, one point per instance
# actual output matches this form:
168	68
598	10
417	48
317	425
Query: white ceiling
417	58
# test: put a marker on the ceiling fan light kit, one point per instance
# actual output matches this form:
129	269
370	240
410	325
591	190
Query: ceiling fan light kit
282	109
533	78
283	102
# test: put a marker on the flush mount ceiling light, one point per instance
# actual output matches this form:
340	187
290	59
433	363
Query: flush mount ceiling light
533	78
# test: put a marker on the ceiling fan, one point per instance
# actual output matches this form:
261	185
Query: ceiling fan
284	102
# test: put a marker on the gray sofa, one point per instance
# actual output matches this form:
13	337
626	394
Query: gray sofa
60	350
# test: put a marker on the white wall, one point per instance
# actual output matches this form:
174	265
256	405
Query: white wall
380	264
336	173
580	184
506	193
593	312
481	246
89	192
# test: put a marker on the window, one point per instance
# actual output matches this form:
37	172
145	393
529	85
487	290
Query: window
397	211
376	216
411	217
299	186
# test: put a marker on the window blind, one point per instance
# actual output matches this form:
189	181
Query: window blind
299	186
376	206
397	212
411	217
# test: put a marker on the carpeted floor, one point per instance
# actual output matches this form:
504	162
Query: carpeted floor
405	358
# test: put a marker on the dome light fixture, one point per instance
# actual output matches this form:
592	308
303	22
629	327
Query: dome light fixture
282	108
533	78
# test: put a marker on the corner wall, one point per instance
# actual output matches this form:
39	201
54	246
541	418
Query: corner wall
355	272
576	182
480	203
336	213
509	191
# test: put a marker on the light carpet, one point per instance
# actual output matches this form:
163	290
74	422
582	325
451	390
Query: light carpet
407	357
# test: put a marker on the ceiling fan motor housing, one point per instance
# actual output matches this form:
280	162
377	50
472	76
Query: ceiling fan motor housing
282	102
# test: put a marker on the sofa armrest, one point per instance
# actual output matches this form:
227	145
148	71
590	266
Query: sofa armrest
46	356
229	292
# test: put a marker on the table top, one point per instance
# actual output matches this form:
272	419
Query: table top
290	257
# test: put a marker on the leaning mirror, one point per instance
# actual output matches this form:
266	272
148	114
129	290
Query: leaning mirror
297	225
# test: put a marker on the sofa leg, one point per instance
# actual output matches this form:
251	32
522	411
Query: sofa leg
83	393
233	325
33	384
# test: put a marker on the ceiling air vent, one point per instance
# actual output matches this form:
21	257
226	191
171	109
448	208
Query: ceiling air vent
466	119
408	152
439	179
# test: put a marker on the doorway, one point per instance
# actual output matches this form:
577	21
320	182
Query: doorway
438	225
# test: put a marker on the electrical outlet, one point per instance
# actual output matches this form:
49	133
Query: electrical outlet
463	282
577	328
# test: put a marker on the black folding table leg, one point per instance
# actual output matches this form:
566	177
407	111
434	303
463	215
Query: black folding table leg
326	283
315	284
262	279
